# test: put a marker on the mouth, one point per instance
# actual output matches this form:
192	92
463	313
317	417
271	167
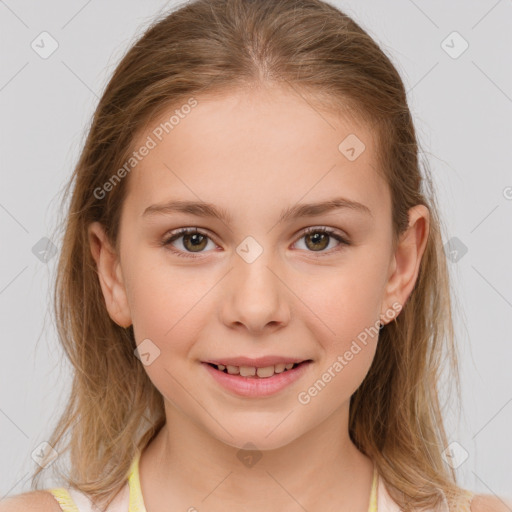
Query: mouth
257	381
255	372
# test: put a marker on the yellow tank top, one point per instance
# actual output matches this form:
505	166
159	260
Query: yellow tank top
71	500
132	501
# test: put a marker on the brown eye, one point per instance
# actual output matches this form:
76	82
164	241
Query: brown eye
193	242
318	239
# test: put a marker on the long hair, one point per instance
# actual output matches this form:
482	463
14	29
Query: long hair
214	46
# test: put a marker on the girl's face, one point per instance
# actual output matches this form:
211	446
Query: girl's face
252	283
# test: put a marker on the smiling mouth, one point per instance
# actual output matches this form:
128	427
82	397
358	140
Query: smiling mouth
254	372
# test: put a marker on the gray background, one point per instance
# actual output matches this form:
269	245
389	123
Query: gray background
462	106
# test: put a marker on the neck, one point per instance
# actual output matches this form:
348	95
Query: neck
321	470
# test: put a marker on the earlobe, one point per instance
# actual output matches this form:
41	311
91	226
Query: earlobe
407	257
109	275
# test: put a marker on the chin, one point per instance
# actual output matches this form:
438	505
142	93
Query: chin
258	438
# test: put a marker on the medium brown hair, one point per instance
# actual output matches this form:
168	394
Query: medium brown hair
215	46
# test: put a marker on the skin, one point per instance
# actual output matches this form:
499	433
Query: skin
254	154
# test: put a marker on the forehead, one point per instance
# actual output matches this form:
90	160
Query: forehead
256	149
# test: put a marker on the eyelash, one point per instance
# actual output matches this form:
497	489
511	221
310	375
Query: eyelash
194	231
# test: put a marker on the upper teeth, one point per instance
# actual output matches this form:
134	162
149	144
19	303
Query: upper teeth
248	371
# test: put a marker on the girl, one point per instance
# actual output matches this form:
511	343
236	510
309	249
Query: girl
252	287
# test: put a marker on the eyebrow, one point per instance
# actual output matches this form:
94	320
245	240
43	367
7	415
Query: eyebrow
202	209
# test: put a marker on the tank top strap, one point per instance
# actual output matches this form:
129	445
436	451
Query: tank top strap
136	499
372	507
72	500
130	497
384	501
64	499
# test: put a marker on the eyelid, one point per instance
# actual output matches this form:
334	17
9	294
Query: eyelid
326	229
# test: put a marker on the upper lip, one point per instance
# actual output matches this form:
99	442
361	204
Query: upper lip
257	362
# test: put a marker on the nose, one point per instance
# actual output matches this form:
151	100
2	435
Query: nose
257	297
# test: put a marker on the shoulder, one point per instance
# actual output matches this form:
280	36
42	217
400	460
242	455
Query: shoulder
35	501
489	503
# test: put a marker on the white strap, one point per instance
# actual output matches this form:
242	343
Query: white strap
384	501
84	504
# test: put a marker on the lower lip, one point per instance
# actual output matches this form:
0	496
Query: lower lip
257	386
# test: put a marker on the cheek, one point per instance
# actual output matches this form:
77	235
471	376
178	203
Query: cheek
167	309
346	300
165	302
347	352
344	323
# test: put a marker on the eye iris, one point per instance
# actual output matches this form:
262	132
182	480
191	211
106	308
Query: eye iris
197	243
315	236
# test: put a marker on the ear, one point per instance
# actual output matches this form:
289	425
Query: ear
406	259
110	275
